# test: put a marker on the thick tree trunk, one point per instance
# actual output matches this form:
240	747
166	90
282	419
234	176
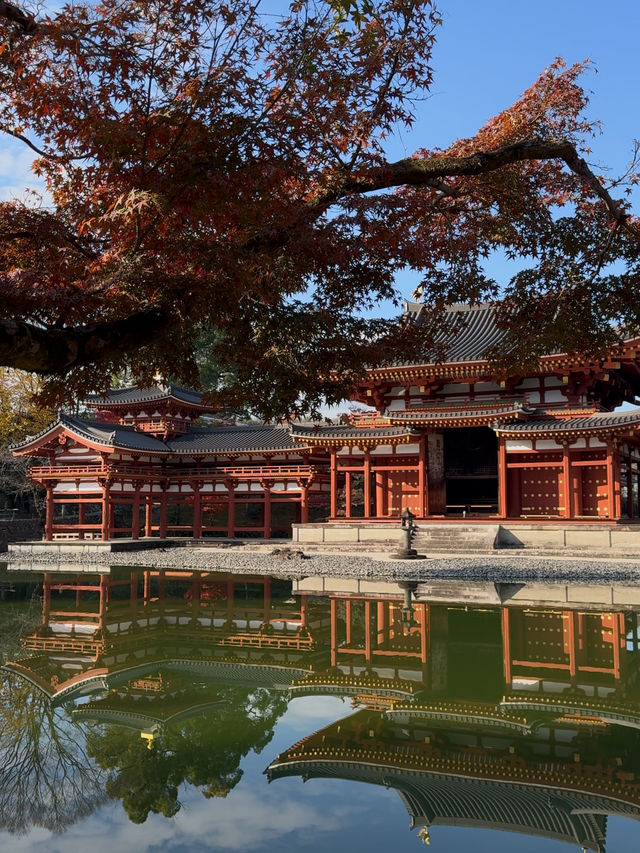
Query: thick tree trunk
50	351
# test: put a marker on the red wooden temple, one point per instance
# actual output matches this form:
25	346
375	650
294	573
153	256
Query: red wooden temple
145	467
448	439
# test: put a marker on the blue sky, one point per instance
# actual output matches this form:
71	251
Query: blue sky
487	53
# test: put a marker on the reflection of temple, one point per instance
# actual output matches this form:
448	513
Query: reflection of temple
517	718
98	630
548	744
559	782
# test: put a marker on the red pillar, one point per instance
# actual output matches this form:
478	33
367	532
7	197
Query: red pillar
104	599
148	517
367	630
423	482
304	504
424	631
147	585
569	630
567	502
381	620
46	597
617	631
106	512
502	477
48	527
367	484
613	481
576	491
334	646
380	494
506	647
617	491
334	484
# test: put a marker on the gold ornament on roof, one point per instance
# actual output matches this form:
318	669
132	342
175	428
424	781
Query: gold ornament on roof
424	836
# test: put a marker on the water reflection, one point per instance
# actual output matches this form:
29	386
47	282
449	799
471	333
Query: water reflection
502	714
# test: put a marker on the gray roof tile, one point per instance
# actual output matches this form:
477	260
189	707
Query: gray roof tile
455	414
597	420
153	394
315	432
114	435
466	331
233	439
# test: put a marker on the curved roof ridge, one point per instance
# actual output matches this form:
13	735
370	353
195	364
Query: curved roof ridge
135	395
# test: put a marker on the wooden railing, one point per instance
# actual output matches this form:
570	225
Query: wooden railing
245	472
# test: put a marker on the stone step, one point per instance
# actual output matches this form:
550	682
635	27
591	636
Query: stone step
462	538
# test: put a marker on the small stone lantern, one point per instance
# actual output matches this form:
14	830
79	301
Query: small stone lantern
407	552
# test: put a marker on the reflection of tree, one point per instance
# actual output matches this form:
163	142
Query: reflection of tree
204	751
46	777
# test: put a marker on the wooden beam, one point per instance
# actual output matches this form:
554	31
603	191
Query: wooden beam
502	477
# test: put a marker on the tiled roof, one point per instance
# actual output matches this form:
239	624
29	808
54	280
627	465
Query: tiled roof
113	435
466	331
595	421
155	393
233	439
480	413
334	435
108	435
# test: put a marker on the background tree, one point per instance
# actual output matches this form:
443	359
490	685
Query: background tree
20	416
46	776
204	751
210	165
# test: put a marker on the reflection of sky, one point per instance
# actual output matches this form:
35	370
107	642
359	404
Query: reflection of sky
317	816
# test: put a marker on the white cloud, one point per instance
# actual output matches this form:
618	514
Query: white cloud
15	170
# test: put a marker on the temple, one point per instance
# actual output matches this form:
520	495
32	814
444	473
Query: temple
448	440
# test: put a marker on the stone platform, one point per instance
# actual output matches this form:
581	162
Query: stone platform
463	536
84	547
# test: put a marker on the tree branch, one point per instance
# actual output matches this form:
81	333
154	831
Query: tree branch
51	351
12	13
428	171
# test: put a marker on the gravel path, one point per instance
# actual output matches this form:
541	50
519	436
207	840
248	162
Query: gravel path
285	562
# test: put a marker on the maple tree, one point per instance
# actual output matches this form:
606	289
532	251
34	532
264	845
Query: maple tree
209	166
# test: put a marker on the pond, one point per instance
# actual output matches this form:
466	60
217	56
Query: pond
185	711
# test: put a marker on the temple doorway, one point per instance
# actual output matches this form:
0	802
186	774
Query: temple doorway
471	471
